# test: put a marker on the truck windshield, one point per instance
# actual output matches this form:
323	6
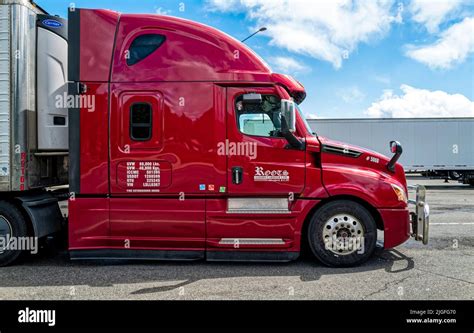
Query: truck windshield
308	128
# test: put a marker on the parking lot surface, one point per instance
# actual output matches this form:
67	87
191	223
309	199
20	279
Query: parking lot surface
441	270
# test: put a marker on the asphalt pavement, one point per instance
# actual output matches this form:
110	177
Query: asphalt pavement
443	269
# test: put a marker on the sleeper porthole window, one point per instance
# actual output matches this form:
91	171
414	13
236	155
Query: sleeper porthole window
143	46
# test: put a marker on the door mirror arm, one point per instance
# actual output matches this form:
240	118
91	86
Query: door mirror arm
293	141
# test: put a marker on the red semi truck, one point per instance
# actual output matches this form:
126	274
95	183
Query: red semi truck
184	145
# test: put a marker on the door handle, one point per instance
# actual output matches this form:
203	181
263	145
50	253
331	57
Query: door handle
237	174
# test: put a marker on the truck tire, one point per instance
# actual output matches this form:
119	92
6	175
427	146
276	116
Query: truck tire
13	223
342	233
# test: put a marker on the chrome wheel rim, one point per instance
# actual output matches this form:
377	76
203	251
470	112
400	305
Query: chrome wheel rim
343	234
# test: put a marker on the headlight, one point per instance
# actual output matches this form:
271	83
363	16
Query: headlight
400	192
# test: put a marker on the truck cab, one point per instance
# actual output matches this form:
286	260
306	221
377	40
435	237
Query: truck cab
196	149
184	145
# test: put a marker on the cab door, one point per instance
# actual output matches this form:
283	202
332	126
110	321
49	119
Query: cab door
260	161
264	174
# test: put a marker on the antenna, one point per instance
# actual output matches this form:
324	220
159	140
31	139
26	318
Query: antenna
256	32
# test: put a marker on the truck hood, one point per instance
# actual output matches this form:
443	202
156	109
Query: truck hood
348	155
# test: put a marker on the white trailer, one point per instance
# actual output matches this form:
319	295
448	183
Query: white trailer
33	126
442	146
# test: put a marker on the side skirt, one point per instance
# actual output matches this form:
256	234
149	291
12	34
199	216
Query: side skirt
127	254
136	255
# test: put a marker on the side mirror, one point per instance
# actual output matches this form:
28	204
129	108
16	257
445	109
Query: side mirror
395	147
288	124
397	150
288	111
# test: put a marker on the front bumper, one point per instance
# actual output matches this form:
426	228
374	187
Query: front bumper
419	215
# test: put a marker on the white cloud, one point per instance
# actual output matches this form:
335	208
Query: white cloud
351	94
326	30
431	13
287	65
223	5
453	47
418	103
312	116
162	11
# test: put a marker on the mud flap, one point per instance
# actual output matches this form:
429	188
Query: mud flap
44	213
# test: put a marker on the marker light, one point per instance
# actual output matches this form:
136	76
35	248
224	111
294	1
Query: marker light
400	193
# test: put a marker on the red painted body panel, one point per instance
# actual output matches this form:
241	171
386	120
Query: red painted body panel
88	223
397	226
157	224
94	142
97	43
191	82
341	178
365	163
192	52
314	179
185	142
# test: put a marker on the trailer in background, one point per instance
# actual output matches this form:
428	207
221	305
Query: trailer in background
432	146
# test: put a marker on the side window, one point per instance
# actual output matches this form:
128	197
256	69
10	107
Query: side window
261	119
143	46
140	121
256	124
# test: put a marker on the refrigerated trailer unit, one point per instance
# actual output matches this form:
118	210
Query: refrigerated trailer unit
33	71
442	146
33	132
164	161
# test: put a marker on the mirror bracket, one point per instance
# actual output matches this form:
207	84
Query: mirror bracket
301	146
293	141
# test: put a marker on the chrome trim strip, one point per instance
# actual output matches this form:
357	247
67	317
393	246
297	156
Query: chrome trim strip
341	151
261	211
257	206
251	241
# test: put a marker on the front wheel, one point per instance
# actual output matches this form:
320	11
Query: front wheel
342	233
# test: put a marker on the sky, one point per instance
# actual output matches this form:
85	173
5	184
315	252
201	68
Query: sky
356	59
